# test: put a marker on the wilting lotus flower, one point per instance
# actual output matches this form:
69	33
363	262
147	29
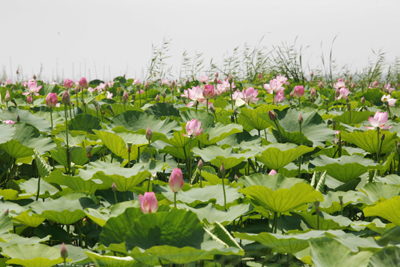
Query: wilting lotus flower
193	128
379	121
9	122
387	98
164	81
109	95
68	83
148	202
281	79
83	82
203	79
208	91
388	88
298	91
176	180
279	97
51	100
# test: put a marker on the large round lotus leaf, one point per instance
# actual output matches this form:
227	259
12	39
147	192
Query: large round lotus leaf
356	117
251	118
29	219
215	134
31	187
273	182
6	224
218	156
380	191
385	209
206	118
345	168
116	228
389	256
207	194
325	222
78	155
84	122
276	156
368	140
33	255
12	239
320	257
331	203
282	243
75	183
178	228
112	261
25	117
163	109
77	254
136	120
282	200
7	132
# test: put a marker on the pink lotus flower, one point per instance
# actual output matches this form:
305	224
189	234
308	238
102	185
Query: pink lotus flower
281	79
208	91
164	81
379	121
136	82
176	180
125	96
193	128
387	98
8	81
68	83
337	136
83	82
195	94
29	99
279	97
343	92
274	86
388	88
33	88
9	122
148	202
109	95
339	84
7	97
51	100
272	172
91	90
313	93
224	87
298	91
203	79
237	95
63	251
250	95
185	94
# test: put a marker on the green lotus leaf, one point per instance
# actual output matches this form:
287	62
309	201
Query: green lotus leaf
12	239
321	258
379	191
273	182
276	156
163	109
118	146
206	118
218	156
136	120
84	122
389	256
26	118
211	214
177	140
44	169
385	209
345	168
29	219
213	179
6	224
282	200
241	140
315	131
325	222
7	132
73	140
391	235
75	183
33	255
15	149
250	117
354	242
77	254
10	194
374	95
282	243
331	203
112	261
116	228
389	179
207	194
31	186
215	134
356	117
368	140
78	155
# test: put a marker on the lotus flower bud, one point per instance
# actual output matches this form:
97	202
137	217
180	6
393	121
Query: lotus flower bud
63	251
68	83
157	98
83	82
216	75
149	134
164	94
34	77
383	137
312	74
51	100
29	99
125	96
260	76
272	115
236	177
215	80
148	202
18	119
300	119
350	77
362	100
200	165
146	85
321	85
316	205
230	79
7	97
187	82
222	171
114	187
6	212
313	92
65	97
176	180
129	144
272	172
337	92
352	85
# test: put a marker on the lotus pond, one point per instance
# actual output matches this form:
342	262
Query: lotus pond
212	171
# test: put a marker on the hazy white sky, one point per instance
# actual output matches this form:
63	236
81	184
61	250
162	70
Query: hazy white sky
115	37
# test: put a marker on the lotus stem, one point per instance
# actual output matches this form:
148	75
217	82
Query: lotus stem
175	193
51	119
66	139
115	197
38	190
190	159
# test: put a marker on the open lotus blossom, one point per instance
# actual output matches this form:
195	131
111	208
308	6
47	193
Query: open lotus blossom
387	88
281	79
298	91
195	94
342	92
237	95
279	97
176	180
339	84
379	121
250	95
9	122
51	100
148	202
275	85
387	98
136	82
224	87
204	79
164	81
193	128
33	88
109	95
